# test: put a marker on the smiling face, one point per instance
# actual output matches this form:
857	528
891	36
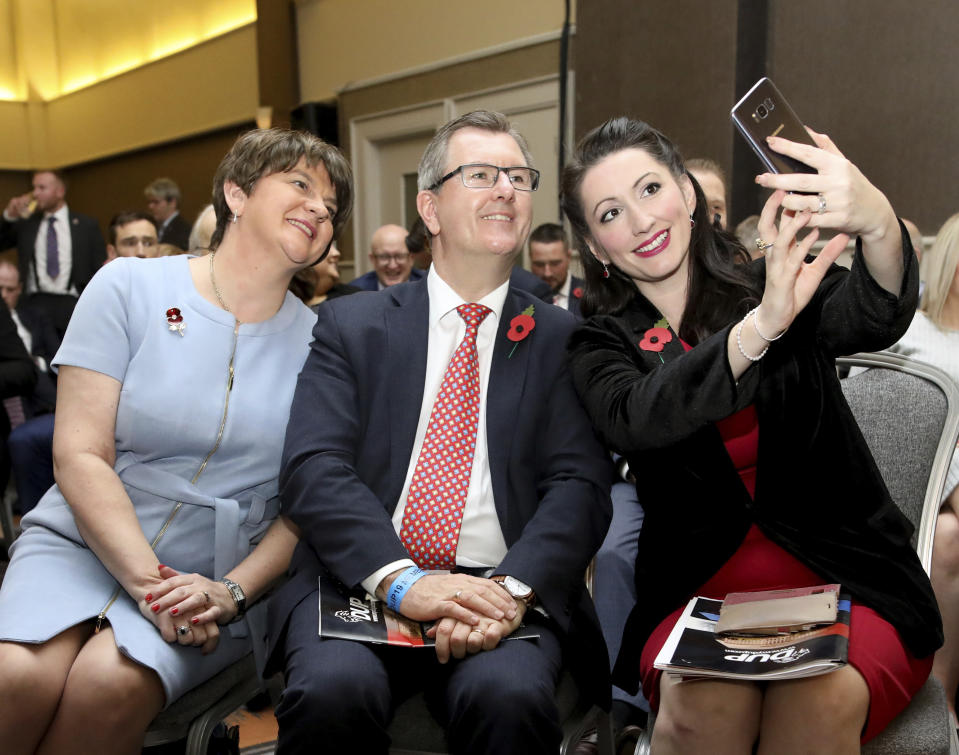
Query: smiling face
638	217
391	259
289	212
484	222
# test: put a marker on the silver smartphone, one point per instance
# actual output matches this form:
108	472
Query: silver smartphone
764	112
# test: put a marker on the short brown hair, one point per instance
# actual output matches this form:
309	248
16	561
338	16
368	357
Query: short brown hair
277	150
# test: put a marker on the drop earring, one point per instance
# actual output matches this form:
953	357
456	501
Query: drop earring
605	270
235	216
692	222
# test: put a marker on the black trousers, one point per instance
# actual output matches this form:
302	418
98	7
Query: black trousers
340	695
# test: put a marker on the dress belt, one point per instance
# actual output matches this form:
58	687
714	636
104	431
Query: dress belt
229	545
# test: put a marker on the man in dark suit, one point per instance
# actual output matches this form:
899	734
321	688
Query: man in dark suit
58	250
31	438
391	259
501	486
549	256
163	203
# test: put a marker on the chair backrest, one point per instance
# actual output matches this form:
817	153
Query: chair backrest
908	412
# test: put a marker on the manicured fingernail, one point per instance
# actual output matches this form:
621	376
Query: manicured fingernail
161	566
195	620
148	598
155	607
174	611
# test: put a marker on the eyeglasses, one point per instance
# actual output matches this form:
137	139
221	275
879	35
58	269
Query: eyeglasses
481	176
385	259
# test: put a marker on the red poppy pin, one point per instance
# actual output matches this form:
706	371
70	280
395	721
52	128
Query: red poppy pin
520	327
656	337
175	319
578	292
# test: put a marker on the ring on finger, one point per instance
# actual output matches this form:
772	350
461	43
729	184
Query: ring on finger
206	595
762	246
183	630
822	204
480	632
456	595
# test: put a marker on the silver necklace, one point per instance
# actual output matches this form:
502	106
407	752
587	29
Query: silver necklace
216	289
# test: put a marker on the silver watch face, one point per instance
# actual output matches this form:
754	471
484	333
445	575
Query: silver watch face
516	588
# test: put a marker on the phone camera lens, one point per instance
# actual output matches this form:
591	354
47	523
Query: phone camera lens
770	105
761	111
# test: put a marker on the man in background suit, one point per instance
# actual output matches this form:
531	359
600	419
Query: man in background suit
163	203
31	438
391	259
549	256
58	250
521	493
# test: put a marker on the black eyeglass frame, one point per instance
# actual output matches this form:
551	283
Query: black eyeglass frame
534	182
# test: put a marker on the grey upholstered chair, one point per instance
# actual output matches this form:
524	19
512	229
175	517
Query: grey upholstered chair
908	412
195	715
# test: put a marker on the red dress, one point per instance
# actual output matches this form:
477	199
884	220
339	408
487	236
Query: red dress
876	651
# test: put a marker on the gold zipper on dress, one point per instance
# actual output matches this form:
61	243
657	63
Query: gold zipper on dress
179	504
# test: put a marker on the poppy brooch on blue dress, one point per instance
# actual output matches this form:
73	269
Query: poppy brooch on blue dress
175	319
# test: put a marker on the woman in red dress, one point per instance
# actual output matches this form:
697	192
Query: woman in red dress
715	378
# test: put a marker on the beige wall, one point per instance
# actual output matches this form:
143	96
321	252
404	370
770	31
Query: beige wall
343	41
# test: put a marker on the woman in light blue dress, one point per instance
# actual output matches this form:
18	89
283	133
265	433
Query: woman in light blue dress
129	583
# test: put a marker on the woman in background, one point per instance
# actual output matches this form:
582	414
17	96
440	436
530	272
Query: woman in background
933	337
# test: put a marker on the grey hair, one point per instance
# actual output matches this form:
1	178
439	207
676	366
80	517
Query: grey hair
433	163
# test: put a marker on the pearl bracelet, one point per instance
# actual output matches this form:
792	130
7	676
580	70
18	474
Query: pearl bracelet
755	313
739	340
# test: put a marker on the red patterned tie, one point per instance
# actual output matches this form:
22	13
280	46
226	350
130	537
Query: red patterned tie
437	495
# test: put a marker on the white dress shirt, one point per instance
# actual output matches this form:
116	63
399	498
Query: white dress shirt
481	541
561	297
60	284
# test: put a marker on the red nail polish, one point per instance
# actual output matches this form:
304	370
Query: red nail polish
195	620
148	598
174	611
161	566
155	607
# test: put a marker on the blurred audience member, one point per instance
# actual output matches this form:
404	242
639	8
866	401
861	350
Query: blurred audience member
392	261
418	244
712	181
58	250
163	202
748	232
549	258
202	231
933	337
326	277
132	234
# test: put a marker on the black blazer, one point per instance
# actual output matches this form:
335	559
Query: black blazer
819	494
575	285
351	434
177	232
45	344
88	248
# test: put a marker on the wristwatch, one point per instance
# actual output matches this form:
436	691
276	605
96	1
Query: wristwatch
239	597
519	590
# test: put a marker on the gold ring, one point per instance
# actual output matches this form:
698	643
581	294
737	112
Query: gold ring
479	632
762	246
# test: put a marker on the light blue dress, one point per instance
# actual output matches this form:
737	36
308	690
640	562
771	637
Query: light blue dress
176	392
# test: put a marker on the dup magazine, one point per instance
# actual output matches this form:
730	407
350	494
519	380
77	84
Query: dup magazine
694	649
356	615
